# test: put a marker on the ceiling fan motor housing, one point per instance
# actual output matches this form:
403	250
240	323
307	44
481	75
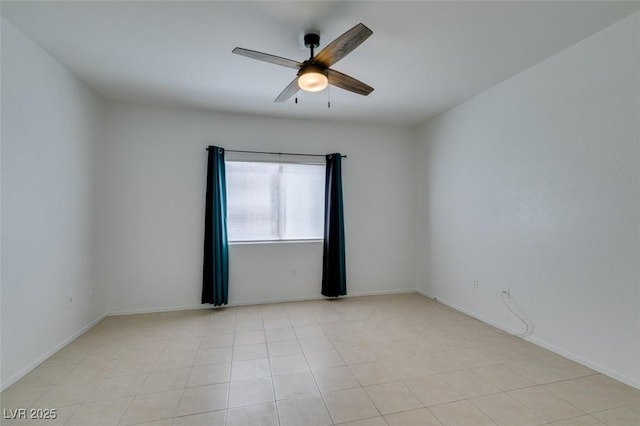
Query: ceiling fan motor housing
312	40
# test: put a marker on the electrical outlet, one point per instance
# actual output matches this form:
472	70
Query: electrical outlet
506	291
69	299
294	273
475	283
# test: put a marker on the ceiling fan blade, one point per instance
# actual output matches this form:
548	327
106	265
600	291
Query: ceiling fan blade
288	91
272	59
342	46
345	82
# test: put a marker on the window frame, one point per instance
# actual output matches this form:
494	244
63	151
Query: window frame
280	161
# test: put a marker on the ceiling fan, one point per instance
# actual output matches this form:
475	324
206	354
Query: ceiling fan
315	73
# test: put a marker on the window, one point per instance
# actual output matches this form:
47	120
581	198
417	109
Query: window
274	201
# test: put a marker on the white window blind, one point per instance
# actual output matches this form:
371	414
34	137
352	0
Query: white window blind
274	201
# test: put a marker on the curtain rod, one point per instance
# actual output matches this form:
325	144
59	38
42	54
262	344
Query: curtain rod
276	153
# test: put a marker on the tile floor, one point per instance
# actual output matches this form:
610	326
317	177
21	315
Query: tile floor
398	360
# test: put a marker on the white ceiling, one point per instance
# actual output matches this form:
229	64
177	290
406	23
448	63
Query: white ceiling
423	57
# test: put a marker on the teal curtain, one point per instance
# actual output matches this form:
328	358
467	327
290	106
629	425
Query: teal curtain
215	281
334	274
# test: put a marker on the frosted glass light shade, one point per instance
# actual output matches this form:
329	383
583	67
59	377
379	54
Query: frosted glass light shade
312	79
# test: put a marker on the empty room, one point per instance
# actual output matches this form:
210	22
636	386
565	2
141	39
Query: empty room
320	213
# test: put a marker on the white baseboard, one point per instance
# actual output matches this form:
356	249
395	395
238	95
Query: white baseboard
156	310
382	292
253	302
26	370
553	348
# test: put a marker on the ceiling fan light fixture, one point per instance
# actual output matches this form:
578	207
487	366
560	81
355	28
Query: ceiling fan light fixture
312	79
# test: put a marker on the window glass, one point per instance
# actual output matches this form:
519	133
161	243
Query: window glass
274	201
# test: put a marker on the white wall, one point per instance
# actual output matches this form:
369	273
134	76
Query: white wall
153	208
535	184
50	126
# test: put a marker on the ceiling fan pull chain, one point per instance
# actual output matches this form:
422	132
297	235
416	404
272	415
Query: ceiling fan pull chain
328	96
296	99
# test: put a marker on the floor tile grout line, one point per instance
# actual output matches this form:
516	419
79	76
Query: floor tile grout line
273	387
315	381
226	414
